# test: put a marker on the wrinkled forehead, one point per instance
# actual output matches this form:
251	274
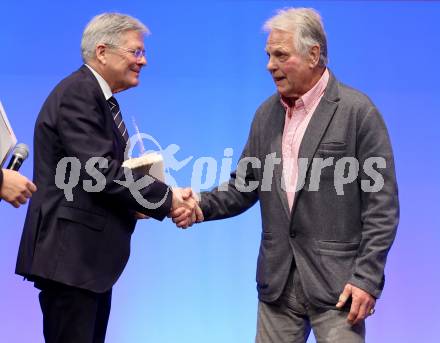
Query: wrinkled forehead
279	40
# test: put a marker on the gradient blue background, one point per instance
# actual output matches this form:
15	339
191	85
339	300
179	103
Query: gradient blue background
205	78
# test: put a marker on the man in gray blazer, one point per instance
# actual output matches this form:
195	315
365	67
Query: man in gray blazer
319	160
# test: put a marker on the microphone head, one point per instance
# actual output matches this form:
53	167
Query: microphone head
21	150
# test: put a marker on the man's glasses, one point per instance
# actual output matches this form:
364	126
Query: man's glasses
137	53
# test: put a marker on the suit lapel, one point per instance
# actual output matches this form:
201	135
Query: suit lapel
276	146
318	125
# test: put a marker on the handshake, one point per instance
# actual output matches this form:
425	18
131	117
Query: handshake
185	209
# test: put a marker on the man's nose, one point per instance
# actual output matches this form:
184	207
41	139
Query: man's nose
271	66
143	60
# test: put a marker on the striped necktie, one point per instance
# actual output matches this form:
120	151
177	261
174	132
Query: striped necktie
117	117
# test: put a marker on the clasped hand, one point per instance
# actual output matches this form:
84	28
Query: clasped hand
185	209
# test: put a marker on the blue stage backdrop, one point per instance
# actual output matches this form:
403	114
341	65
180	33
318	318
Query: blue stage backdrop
205	77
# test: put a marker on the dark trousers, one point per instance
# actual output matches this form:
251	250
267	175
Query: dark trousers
73	315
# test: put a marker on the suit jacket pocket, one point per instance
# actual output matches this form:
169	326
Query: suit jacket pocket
337	259
333	146
336	149
266	236
92	220
337	248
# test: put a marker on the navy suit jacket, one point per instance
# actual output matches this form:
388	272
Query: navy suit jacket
85	242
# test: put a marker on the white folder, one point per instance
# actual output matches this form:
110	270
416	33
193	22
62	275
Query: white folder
7	137
149	163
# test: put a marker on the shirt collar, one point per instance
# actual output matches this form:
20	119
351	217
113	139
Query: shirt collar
308	99
102	83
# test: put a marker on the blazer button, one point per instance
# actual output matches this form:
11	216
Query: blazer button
292	234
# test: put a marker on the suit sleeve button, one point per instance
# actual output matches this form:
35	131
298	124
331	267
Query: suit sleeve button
292	234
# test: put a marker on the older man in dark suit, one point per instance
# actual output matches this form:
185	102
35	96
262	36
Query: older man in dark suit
75	247
319	160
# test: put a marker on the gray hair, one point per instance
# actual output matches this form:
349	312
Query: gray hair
108	28
306	26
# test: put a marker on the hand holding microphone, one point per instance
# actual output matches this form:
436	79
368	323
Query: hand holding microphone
20	153
16	188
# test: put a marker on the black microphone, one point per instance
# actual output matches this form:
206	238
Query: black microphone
20	153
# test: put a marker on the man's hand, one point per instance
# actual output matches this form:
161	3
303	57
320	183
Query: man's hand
16	188
185	210
362	303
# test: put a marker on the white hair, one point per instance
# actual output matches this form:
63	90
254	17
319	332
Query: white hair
306	26
108	28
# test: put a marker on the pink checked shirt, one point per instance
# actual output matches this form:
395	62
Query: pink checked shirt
297	119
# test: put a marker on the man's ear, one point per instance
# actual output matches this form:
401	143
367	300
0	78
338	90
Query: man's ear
101	53
314	54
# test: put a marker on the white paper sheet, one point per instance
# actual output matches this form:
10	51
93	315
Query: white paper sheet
7	137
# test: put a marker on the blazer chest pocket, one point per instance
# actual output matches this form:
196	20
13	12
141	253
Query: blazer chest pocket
324	163
89	219
332	149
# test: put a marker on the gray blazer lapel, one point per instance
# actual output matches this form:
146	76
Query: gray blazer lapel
279	115
318	124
